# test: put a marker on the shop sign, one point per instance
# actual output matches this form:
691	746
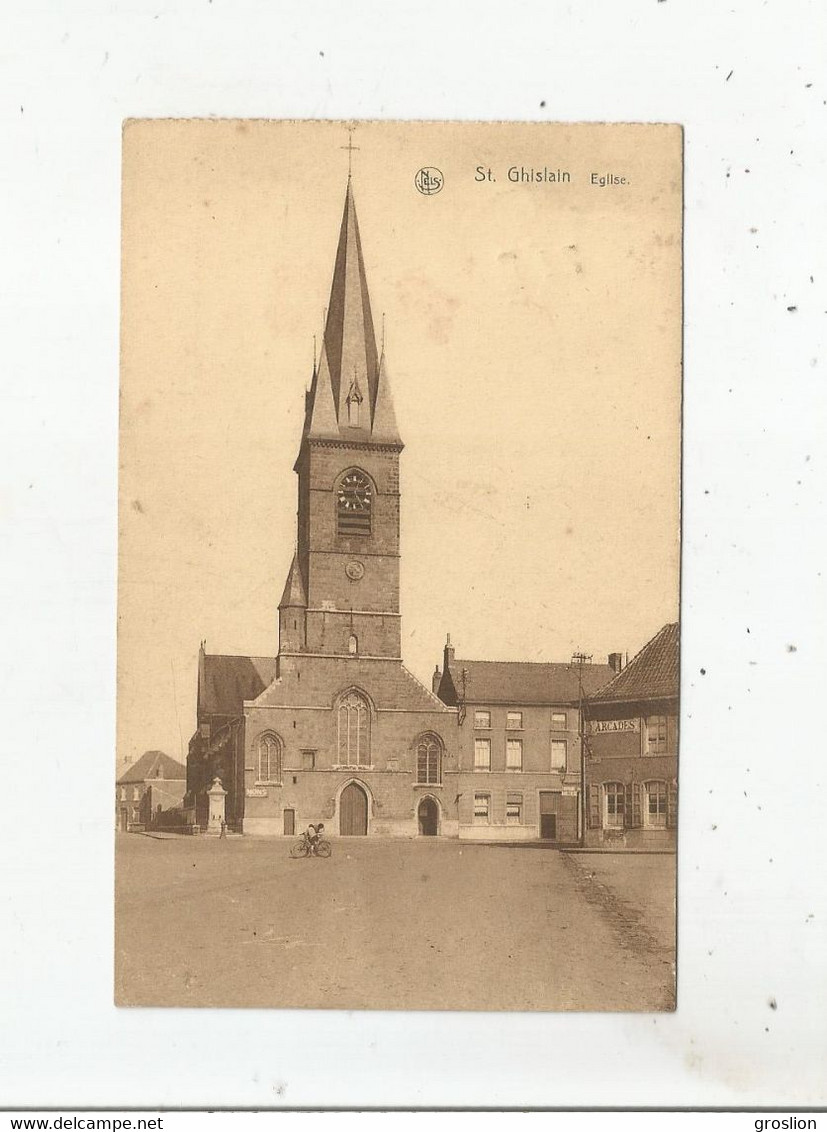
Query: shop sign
601	726
256	792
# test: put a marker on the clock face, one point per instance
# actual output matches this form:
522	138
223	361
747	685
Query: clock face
355	492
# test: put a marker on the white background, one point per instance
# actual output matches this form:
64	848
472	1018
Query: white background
752	866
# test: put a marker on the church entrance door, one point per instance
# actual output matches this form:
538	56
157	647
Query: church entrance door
353	811
428	818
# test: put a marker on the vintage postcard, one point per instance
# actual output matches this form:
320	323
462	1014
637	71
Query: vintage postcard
399	572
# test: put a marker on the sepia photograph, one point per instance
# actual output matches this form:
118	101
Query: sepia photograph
399	565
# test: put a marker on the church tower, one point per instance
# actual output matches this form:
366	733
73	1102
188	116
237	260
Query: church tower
342	592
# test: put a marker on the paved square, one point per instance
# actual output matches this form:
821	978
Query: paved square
391	924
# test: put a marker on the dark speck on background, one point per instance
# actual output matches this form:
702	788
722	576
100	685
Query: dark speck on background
773	1005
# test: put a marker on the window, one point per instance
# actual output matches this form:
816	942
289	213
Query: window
615	804
482	754
429	761
354	731
514	754
482	719
514	721
269	759
514	809
655	804
123	793
353	644
354	498
482	809
656	735
308	760
558	754
558	721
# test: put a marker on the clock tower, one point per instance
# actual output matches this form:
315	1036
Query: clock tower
342	592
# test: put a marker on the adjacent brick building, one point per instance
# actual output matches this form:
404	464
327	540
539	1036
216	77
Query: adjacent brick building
518	746
631	765
150	788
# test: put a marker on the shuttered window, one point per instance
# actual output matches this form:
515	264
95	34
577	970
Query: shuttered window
656	735
482	809
671	805
594	806
558	754
514	809
514	754
482	754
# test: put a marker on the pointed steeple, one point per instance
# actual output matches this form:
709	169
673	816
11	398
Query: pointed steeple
384	417
294	595
321	416
349	335
349	397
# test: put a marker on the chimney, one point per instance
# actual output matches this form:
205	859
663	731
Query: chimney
449	653
616	662
435	679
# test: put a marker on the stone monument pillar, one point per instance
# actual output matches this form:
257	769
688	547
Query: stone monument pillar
217	796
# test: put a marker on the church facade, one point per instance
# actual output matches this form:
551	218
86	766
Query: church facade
334	728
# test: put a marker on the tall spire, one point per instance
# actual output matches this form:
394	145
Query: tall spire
348	370
349	335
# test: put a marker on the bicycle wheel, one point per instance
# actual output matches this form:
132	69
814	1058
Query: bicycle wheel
324	849
299	849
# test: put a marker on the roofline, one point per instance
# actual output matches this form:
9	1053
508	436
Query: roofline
596	699
537	663
526	703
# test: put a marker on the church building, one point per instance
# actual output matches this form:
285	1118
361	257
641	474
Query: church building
334	728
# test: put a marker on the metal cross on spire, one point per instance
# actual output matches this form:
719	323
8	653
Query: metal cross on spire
350	148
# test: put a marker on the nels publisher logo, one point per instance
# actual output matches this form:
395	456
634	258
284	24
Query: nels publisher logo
429	181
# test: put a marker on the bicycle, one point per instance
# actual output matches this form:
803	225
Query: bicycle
305	848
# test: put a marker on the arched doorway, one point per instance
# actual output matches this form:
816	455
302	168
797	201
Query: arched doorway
353	811
428	816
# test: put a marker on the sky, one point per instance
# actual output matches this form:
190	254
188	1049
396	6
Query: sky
533	342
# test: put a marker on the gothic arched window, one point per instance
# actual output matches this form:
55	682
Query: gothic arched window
354	500
268	763
429	760
354	730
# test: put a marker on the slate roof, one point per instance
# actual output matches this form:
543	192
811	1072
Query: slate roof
652	674
293	595
521	682
230	680
148	765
